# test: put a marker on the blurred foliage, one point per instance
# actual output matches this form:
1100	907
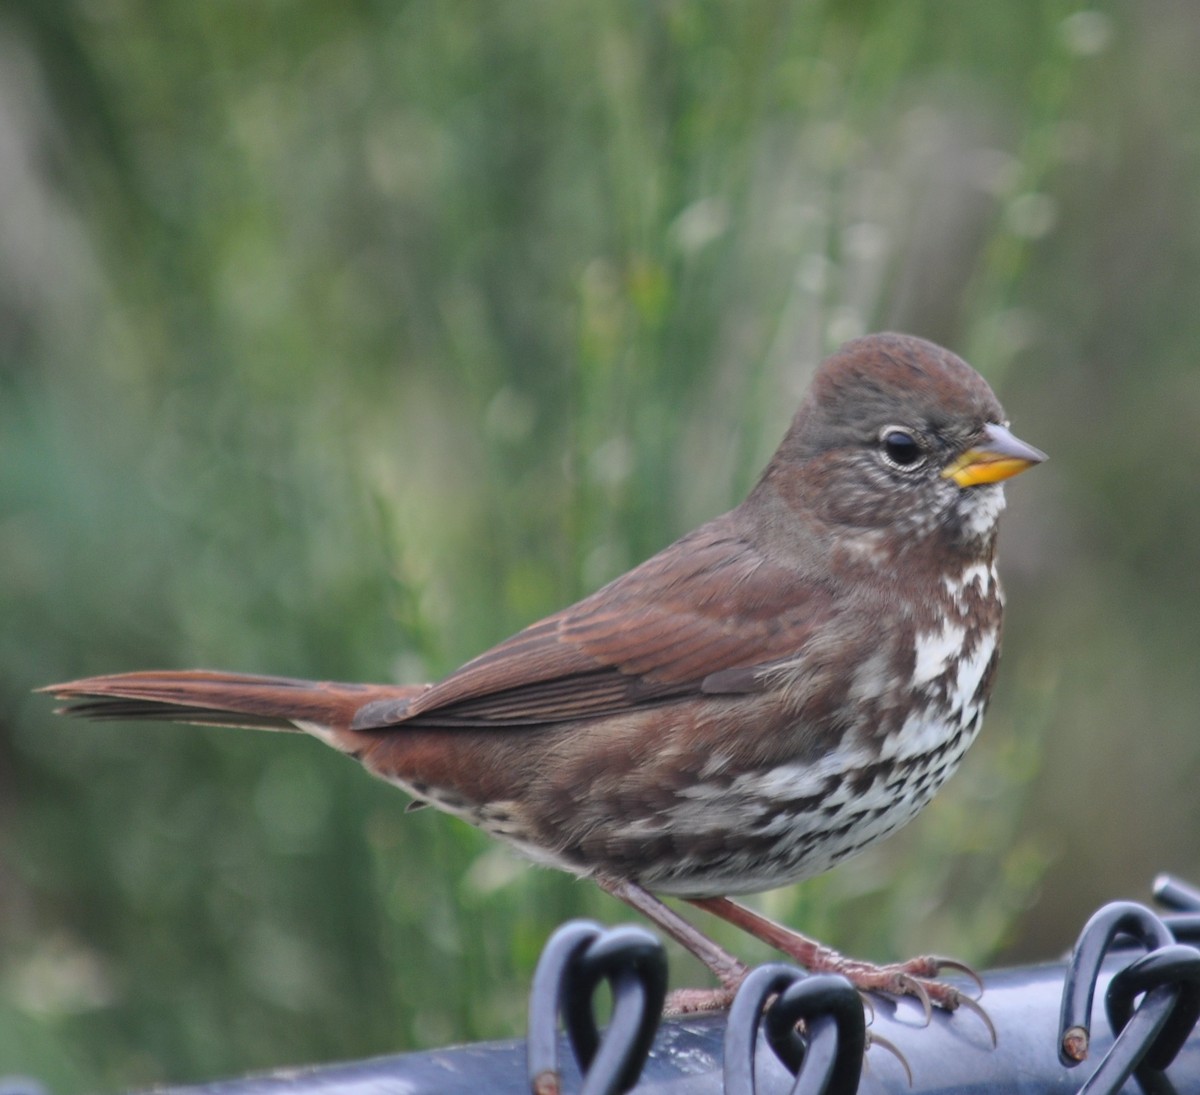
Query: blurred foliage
344	340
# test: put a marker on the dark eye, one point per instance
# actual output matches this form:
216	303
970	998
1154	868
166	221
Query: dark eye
901	448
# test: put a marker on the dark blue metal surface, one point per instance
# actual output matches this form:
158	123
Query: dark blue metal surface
1125	1004
953	1054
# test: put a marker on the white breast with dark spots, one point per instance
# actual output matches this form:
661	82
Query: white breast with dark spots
803	818
952	664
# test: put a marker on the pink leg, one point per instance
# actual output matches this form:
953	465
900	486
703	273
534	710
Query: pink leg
728	970
912	978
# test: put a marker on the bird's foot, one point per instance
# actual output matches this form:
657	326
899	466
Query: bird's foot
917	977
683	1002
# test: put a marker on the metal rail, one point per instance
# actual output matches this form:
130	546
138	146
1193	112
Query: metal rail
791	1032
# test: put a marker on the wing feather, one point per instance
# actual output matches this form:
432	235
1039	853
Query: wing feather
702	616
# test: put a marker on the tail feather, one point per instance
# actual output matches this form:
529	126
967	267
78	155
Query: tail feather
210	698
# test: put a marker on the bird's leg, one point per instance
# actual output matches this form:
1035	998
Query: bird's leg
912	978
727	969
915	978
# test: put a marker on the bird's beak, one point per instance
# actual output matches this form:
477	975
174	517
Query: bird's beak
998	456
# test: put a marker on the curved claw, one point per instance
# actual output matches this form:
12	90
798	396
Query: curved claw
955	966
907	985
894	1050
976	1008
868	1006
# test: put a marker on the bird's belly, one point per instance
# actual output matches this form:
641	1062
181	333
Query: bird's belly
795	821
694	824
772	828
754	831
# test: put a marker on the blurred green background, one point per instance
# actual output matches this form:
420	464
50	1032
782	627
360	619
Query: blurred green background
342	340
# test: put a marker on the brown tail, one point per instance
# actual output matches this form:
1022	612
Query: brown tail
224	699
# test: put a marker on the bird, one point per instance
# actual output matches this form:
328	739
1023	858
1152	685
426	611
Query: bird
765	697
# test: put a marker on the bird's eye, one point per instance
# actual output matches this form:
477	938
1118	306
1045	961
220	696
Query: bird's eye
901	448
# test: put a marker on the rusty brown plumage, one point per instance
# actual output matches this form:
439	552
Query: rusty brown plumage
769	694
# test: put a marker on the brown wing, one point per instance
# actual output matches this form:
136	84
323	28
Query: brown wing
704	615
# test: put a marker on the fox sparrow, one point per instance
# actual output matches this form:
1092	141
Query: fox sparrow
770	694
